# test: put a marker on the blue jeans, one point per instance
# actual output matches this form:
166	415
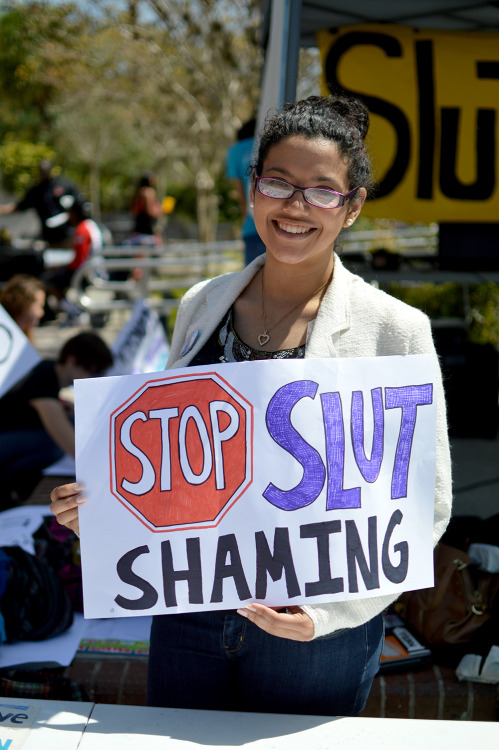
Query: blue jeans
221	661
26	450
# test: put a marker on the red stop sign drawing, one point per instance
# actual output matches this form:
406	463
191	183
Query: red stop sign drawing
181	451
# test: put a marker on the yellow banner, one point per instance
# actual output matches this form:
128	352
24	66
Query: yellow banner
434	100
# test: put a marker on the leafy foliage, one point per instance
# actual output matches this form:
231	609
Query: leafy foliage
115	90
19	162
477	304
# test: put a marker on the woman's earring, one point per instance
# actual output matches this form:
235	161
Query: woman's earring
252	204
349	222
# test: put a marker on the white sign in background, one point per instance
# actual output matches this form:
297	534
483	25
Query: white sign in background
318	511
141	345
17	356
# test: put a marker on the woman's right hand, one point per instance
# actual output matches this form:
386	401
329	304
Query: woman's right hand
65	502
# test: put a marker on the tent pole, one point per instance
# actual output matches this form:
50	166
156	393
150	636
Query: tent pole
280	71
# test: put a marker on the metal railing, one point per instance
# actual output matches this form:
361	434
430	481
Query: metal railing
121	275
409	241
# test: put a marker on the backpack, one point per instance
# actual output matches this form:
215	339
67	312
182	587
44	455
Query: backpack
34	604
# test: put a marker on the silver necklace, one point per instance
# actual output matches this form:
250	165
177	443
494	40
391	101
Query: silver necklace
264	337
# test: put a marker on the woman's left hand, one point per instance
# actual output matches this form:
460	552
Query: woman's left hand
292	623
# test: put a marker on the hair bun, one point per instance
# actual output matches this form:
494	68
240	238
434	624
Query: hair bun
340	118
352	109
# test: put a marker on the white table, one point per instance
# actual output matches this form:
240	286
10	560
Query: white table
105	727
38	724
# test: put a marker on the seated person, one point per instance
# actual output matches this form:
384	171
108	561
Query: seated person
23	297
35	429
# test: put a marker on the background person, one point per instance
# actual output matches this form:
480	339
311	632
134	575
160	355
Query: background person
146	209
295	301
23	297
51	198
238	163
35	429
86	240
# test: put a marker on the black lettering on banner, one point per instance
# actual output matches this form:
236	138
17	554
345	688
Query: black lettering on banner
485	149
427	118
275	564
487	69
355	556
325	584
193	575
227	545
124	569
395	573
392	48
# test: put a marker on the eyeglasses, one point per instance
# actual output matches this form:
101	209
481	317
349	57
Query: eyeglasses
272	187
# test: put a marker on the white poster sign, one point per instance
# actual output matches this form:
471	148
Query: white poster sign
17	356
141	345
283	482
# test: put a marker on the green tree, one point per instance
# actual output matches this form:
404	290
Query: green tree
94	123
19	162
115	90
29	32
199	72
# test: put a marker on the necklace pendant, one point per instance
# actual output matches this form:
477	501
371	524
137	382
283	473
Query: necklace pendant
263	338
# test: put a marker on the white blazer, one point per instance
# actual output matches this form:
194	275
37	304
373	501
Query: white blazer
354	320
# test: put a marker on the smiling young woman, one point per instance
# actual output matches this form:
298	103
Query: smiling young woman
310	178
299	227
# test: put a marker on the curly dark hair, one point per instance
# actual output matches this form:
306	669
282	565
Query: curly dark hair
340	118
